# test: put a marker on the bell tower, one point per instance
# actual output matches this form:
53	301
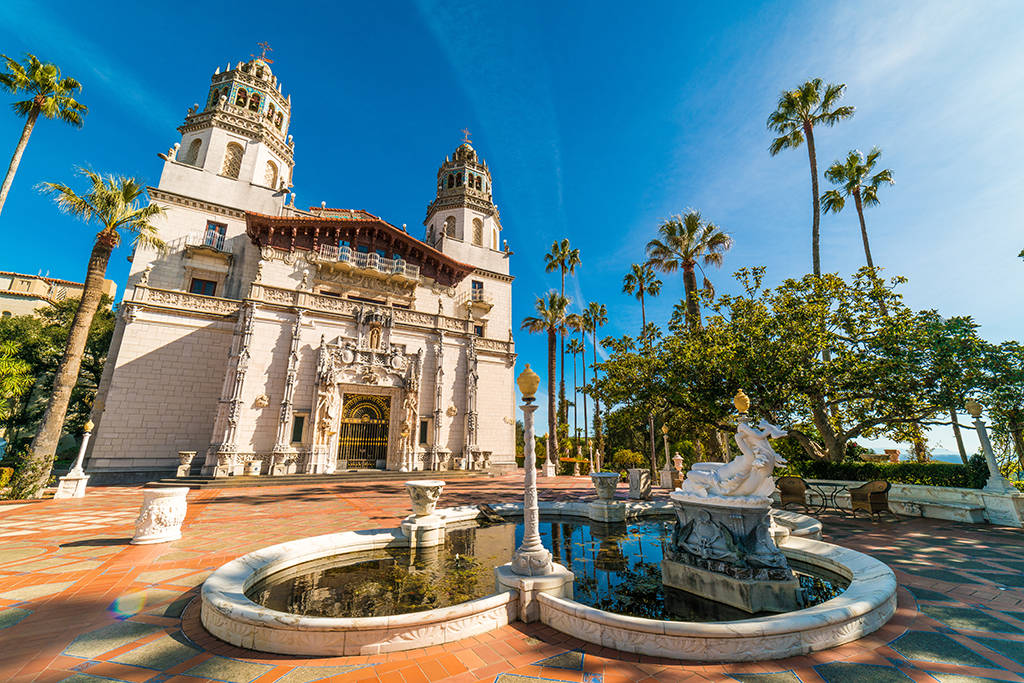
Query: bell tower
238	141
463	221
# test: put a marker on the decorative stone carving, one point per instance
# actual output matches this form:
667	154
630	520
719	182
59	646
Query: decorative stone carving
424	495
747	480
185	462
605	483
161	515
639	483
261	401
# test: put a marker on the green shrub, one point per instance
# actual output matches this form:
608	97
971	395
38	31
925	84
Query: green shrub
5	476
624	459
926	473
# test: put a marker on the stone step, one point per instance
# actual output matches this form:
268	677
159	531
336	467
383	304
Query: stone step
204	482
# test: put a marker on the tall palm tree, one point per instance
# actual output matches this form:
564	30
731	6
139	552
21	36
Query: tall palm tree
683	243
564	259
641	282
575	347
595	316
51	96
855	179
795	117
113	203
550	318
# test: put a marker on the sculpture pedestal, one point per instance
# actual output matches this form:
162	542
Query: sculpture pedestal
607	511
725	551
558	583
548	469
639	484
423	531
161	516
72	485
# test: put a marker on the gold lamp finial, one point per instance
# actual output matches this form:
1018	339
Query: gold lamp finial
741	401
88	426
664	429
974	408
528	381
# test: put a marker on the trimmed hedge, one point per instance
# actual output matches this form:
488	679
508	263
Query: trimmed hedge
972	476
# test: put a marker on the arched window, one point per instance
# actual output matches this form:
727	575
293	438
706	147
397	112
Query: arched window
232	165
254	102
451	182
270	111
458	180
214	96
242	98
270	175
479	183
478	232
192	155
449	226
279	120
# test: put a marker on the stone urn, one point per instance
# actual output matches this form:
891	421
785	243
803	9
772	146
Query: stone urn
639	483
605	483
424	495
185	458
162	513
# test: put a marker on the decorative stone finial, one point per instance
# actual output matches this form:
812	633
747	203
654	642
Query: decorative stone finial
741	401
88	427
528	381
974	408
664	429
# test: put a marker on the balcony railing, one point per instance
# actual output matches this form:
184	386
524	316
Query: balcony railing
372	261
206	238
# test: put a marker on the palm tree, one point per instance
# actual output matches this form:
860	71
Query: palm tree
550	318
51	96
563	258
575	347
855	179
685	241
113	202
595	316
641	282
795	117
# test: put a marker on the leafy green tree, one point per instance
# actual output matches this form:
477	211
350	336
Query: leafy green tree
855	178
114	203
41	339
1002	394
563	258
683	243
51	96
15	377
795	118
641	282
550	319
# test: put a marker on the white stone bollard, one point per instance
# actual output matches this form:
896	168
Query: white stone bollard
161	515
423	528
639	484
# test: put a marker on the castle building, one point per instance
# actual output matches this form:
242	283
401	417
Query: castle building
274	340
22	294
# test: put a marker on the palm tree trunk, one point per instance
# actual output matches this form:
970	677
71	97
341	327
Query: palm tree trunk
690	290
19	150
575	401
815	226
863	228
44	445
956	434
586	425
598	430
654	453
563	413
643	313
552	417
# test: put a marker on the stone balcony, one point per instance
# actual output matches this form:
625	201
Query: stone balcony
373	264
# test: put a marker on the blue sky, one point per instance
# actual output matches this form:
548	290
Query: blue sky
597	121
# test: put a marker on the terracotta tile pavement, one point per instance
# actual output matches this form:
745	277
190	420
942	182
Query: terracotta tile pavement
83	601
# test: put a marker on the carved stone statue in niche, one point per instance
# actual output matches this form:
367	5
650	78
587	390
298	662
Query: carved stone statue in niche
375	337
326	415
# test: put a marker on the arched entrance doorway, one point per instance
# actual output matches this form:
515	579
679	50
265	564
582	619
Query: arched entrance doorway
363	437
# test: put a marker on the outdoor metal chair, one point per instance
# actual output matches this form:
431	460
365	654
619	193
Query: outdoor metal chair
792	490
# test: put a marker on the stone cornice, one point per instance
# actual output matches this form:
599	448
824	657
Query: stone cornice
501	277
248	126
157	194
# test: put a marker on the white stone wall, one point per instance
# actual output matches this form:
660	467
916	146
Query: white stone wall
163	391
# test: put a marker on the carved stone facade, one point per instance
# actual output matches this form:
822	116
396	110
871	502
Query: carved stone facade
310	310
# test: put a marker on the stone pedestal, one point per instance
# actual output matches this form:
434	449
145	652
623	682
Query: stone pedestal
253	468
548	469
161	515
607	511
423	528
557	583
726	552
185	463
639	484
1005	508
665	477
72	485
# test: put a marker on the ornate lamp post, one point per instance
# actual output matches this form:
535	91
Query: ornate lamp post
72	485
532	558
997	483
531	570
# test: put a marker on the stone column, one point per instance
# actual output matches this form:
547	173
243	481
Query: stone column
996	483
437	453
282	445
227	454
470	449
531	571
72	485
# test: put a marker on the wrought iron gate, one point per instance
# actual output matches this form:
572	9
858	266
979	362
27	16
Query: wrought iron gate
363	440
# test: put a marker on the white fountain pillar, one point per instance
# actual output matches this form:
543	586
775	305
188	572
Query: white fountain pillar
531	570
73	484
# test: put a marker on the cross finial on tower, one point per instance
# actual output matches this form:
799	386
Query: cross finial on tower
264	47
465	135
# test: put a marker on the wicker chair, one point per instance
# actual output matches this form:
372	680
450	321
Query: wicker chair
792	490
872	497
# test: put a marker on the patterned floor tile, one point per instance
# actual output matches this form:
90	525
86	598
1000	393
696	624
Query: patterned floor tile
1011	649
925	594
230	670
308	674
160	654
844	672
12	615
112	636
968	618
776	677
566	660
926	646
38	591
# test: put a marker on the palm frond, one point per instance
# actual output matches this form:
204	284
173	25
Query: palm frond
832	202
